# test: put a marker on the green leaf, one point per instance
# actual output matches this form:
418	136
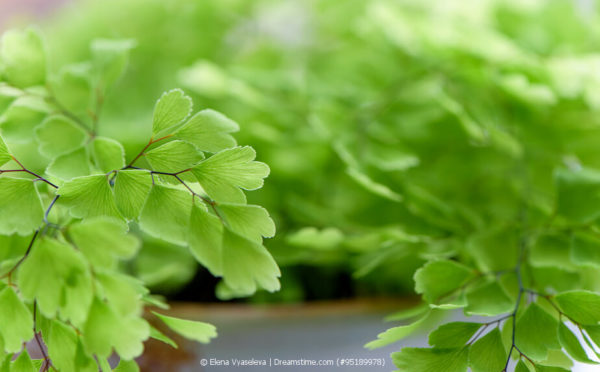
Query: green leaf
63	268
578	194
166	214
572	345
593	331
104	241
89	196
536	333
585	250
127	366
551	251
430	360
72	87
23	363
225	172
64	349
108	154
173	157
105	330
521	367
374	187
408	313
172	108
58	135
440	278
581	306
16	321
5	155
452	335
398	333
248	265
21	117
488	300
131	190
197	331
21	206
71	165
209	131
110	58
22	58
250	221
488	353
158	335
205	238
123	292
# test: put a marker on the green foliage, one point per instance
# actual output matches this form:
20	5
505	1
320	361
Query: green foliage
478	119
74	213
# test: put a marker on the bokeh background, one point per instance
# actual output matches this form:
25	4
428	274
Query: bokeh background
355	105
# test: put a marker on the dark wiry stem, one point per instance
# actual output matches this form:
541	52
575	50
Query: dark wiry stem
38	339
150	143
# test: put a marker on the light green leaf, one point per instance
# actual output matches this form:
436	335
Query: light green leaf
73	88
197	331
454	334
551	251
408	313
110	58
123	292
585	250
70	165
440	278
127	366
166	214
430	360
488	300
536	333
248	265
62	342
21	117
58	135
158	335
312	238
572	345
376	188
225	172
173	157
16	321
250	221
104	240
209	131
89	196
23	363
205	238
105	330
172	108
5	155
578	194
63	268
398	333
108	154
488	353
131	190
21	206
22	58
581	306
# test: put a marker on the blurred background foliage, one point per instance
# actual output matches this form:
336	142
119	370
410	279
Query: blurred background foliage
396	131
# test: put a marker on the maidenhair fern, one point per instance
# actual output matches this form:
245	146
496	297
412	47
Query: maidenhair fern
68	198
